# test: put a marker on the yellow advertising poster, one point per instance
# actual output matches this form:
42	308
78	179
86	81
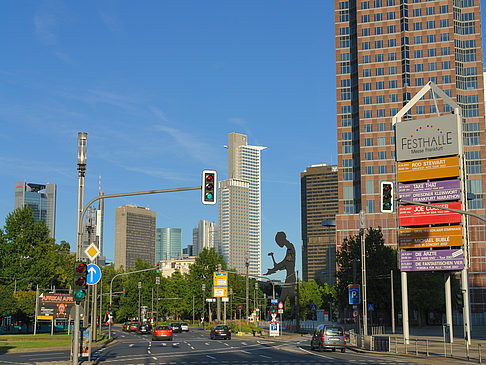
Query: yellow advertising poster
220	291
428	169
443	236
220	279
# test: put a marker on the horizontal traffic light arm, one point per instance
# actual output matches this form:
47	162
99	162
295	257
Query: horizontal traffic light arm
444	208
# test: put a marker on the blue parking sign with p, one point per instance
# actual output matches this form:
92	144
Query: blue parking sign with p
354	294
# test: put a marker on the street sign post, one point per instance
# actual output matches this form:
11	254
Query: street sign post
94	274
354	294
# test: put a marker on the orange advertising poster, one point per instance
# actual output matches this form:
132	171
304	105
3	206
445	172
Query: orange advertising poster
443	236
428	169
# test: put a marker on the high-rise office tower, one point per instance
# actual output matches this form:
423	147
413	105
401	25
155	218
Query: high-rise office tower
244	165
386	51
41	198
205	235
134	235
168	244
319	206
233	216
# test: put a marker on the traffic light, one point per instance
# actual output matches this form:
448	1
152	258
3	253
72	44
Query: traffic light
158	269
218	267
273	309
386	197
80	284
124	293
110	310
208	188
460	299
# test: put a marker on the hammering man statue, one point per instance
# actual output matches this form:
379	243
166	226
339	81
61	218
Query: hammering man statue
288	264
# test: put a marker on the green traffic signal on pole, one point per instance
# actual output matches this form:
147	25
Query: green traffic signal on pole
208	187
386	192
80	281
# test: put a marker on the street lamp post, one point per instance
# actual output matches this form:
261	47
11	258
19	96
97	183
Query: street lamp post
139	309
329	224
203	303
82	149
157	282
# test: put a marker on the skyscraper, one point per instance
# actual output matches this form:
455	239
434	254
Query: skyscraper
168	244
41	199
386	51
205	235
244	166
134	235
233	216
319	203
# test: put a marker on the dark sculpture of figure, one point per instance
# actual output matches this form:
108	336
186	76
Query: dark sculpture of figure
288	264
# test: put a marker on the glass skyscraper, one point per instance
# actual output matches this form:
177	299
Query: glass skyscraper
168	244
41	198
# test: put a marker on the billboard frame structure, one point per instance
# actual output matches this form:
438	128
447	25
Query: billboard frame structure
434	89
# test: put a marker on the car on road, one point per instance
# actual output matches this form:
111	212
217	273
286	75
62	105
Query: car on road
176	327
133	326
329	337
162	332
220	331
184	327
144	328
126	326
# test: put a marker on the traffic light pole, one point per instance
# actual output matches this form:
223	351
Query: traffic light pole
111	290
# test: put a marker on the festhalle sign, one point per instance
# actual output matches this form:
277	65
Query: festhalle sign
425	138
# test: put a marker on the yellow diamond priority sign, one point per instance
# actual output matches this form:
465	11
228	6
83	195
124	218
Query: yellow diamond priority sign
92	252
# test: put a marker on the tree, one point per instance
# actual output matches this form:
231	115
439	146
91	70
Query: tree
380	260
310	293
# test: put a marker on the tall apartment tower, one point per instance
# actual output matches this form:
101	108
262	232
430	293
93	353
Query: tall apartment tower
134	235
244	165
386	51
41	198
234	227
168	244
205	235
319	206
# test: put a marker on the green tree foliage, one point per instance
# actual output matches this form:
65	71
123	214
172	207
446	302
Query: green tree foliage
310	292
380	260
29	257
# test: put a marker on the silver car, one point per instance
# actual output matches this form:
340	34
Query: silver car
328	336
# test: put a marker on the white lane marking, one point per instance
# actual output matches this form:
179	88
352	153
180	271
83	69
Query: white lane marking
149	352
226	344
206	343
131	345
316	354
164	344
211	357
153	357
267	357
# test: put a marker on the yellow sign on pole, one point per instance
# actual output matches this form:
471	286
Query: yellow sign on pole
220	291
220	279
428	169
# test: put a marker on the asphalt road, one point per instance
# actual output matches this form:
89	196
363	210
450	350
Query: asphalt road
195	347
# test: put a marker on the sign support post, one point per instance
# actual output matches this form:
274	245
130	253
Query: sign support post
363	272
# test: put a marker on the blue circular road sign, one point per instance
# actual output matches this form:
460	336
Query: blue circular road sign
93	274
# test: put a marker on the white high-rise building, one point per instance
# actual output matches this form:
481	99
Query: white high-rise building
205	236
236	221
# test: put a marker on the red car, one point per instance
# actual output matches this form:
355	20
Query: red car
162	332
133	326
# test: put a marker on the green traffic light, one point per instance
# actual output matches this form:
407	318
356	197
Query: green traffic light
209	196
79	295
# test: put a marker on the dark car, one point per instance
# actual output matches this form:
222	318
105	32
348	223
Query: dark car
329	337
176	327
133	326
144	328
220	331
162	332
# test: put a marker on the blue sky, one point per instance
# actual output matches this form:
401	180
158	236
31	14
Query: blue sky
158	85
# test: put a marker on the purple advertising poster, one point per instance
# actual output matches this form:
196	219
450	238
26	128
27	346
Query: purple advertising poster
433	191
432	260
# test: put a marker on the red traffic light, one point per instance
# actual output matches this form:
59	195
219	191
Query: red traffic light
81	268
209	178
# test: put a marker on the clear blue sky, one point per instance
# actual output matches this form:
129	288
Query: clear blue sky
158	85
